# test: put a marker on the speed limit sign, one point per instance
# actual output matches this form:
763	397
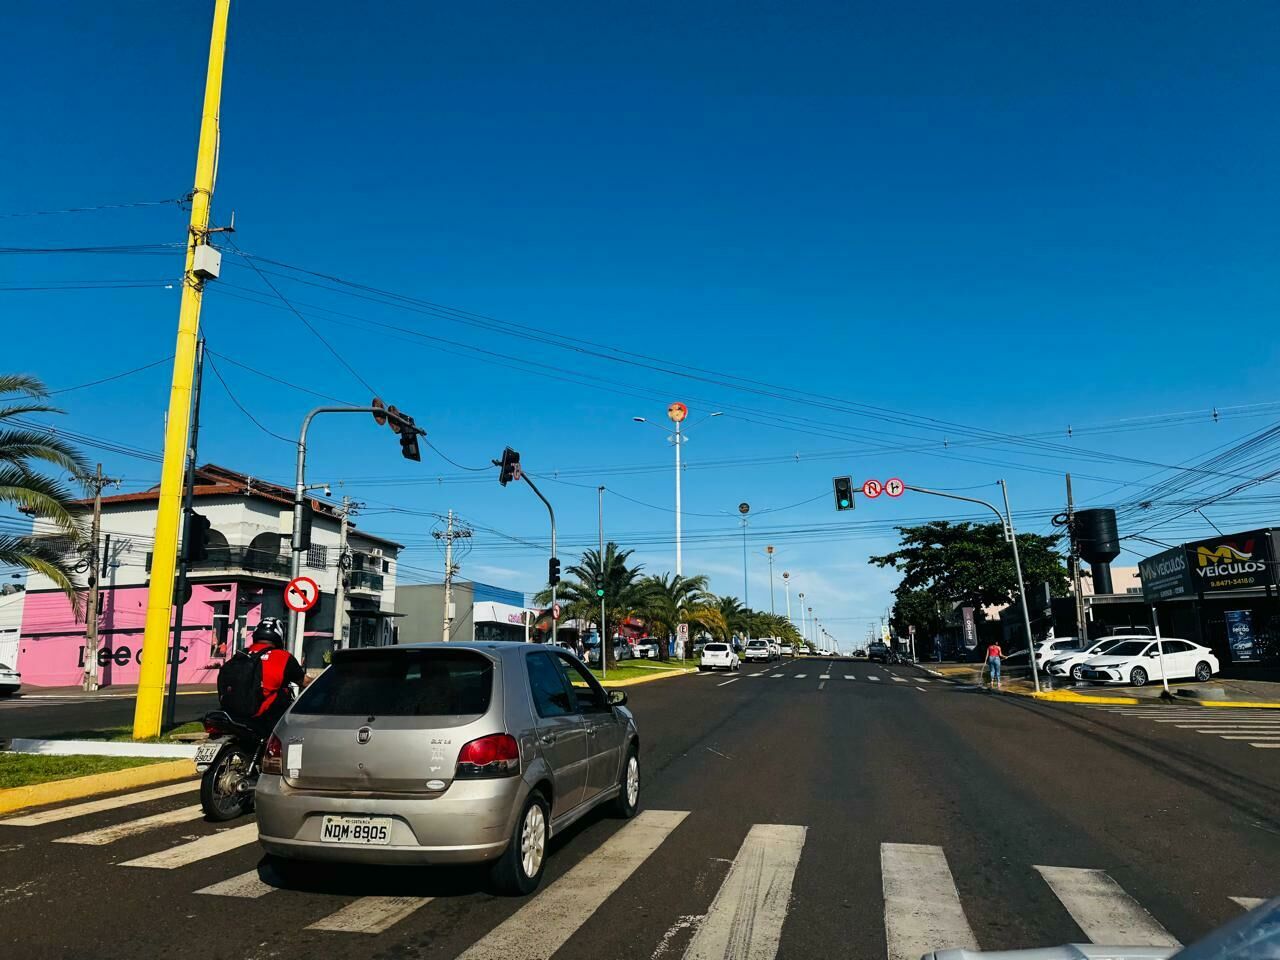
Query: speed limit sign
872	489
894	487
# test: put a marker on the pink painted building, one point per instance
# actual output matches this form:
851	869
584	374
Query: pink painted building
241	580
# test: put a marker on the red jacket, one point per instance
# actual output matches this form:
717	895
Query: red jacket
279	667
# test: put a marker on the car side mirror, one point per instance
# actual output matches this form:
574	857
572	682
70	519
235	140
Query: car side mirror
617	698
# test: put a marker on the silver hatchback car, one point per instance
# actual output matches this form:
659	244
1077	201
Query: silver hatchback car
446	753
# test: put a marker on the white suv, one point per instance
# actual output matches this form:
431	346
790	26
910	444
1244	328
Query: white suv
758	650
719	656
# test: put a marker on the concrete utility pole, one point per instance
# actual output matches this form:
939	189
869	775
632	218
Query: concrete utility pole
90	680
1081	631
349	507
448	537
769	552
201	264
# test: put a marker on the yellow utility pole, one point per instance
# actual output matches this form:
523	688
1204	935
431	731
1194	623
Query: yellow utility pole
201	264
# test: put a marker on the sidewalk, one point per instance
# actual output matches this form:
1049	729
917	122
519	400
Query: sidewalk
1215	693
115	691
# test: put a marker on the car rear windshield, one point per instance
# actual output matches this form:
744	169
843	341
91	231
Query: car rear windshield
401	683
1130	648
757	643
715	648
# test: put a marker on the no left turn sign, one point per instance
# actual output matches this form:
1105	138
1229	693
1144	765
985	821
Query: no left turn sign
301	594
872	489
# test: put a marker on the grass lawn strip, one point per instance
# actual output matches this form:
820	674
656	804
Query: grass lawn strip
25	769
124	734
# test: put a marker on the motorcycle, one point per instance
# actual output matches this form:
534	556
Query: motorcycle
229	765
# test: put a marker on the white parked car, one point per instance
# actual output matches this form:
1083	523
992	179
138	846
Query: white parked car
1046	650
719	656
757	650
1138	661
646	649
1070	663
10	680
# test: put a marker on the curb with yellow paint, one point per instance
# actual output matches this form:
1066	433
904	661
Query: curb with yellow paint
75	788
632	681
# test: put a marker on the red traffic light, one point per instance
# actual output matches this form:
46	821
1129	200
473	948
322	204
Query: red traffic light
393	419
379	418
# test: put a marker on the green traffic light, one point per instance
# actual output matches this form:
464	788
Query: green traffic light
599	593
843	502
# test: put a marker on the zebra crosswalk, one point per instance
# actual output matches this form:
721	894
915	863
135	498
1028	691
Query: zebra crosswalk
747	916
1258	728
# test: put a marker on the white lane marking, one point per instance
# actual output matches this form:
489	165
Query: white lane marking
801	676
922	689
201	849
777	676
822	684
745	919
727	682
922	908
872	676
370	914
1102	909
96	806
129	828
541	926
248	885
850	676
1245	736
824	676
1249	902
899	679
1266	746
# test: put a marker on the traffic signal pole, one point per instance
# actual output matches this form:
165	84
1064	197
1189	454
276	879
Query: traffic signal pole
150	700
180	592
1006	521
297	621
555	619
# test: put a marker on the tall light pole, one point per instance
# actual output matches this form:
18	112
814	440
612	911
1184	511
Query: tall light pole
814	621
786	584
769	552
804	627
744	508
676	413
604	651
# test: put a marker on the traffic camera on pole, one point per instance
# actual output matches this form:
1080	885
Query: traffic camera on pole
844	492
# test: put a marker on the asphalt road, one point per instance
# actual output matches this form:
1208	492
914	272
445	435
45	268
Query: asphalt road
47	716
825	818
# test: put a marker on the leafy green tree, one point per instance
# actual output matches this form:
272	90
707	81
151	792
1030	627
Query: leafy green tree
669	600
22	451
735	616
919	608
971	563
621	580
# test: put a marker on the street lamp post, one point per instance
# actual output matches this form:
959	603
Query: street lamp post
677	413
744	508
769	552
786	585
804	624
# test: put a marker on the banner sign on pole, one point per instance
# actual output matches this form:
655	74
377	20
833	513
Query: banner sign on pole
970	628
1240	638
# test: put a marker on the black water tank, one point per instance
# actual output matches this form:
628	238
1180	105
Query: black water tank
1099	543
1096	535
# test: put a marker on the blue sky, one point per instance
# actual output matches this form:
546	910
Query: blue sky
1012	217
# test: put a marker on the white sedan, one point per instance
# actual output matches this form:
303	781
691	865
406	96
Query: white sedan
719	656
1138	661
1070	663
10	680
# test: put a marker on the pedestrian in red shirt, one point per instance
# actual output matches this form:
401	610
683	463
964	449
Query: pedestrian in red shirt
994	653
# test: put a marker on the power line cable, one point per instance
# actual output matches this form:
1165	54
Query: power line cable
174	201
118	376
256	422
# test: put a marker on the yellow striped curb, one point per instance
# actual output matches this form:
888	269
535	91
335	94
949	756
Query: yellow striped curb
1252	704
632	681
74	788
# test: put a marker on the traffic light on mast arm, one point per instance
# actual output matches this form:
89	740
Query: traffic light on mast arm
844	493
195	543
510	464
553	571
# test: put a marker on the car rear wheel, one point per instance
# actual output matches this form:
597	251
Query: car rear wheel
519	870
1203	671
1138	677
1077	673
628	801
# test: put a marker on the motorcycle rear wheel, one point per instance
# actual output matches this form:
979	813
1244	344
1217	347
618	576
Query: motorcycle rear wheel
220	796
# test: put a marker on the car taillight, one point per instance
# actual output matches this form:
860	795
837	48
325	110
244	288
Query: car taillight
271	760
497	755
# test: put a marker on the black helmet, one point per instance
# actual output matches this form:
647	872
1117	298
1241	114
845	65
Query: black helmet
269	630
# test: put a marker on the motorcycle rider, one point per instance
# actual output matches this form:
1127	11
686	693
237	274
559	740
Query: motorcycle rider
279	669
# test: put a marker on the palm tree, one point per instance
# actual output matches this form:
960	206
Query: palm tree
21	450
735	615
670	599
620	581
